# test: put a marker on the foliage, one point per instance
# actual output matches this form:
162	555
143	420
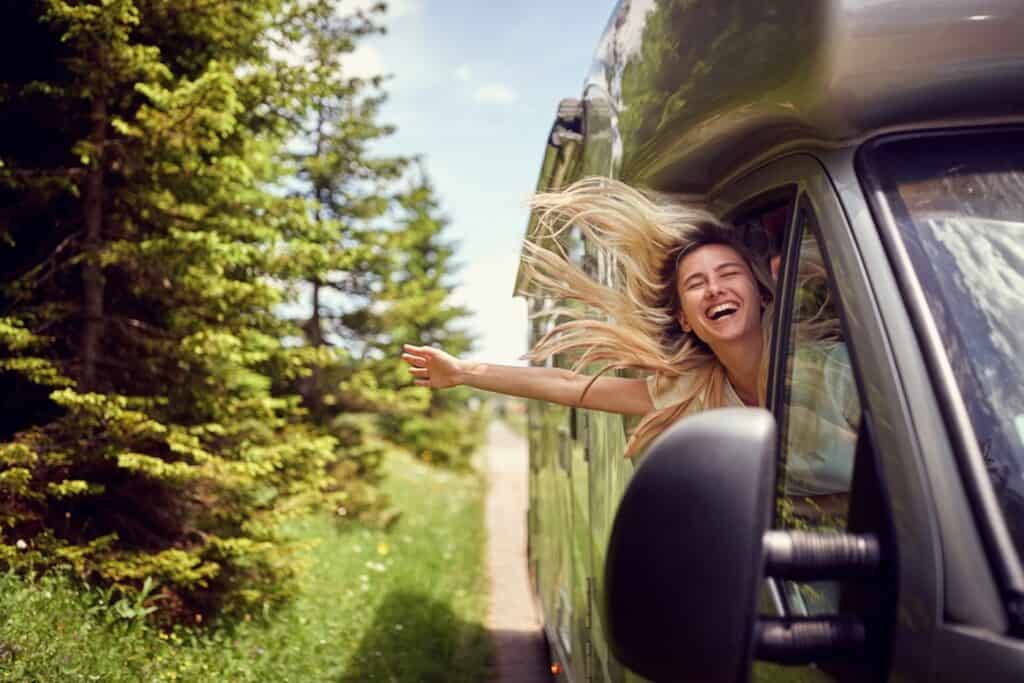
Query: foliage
406	603
414	306
184	174
373	264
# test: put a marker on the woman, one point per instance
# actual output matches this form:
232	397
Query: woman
691	310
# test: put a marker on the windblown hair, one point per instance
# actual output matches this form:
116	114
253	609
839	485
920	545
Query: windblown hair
635	324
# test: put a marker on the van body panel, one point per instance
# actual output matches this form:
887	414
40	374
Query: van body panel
703	90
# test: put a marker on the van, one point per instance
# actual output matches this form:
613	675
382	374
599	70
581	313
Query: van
877	146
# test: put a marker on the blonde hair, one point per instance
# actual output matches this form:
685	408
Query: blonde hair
636	326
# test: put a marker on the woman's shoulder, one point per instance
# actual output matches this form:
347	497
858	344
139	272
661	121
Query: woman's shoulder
666	390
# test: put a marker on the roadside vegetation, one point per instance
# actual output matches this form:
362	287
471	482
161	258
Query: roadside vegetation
210	450
406	603
512	411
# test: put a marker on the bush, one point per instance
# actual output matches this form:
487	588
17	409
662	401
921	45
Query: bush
121	497
447	435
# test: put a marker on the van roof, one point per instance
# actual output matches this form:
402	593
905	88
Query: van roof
705	89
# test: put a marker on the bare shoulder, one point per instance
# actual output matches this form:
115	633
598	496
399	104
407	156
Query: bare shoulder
623	395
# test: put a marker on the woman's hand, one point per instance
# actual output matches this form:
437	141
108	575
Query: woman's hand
432	367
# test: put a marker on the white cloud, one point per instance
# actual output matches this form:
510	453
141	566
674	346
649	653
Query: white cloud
495	93
464	73
365	62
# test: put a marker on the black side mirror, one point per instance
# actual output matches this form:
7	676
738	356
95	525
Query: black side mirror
685	555
689	550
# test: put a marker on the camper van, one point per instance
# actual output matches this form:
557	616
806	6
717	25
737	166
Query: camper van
877	148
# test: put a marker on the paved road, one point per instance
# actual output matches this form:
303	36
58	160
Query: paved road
512	617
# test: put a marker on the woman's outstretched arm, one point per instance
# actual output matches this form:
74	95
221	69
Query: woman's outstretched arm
434	368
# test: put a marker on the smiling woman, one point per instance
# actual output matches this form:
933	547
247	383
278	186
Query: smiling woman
688	312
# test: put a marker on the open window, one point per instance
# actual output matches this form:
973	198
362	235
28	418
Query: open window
817	405
761	224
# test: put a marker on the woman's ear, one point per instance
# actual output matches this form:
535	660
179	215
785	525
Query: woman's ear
683	324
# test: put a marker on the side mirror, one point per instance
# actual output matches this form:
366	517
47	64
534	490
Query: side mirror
689	550
684	559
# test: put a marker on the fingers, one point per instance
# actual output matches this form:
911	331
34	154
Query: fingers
417	350
418	357
415	361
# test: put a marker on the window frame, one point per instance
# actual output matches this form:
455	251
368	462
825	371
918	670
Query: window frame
805	177
943	586
803	219
989	521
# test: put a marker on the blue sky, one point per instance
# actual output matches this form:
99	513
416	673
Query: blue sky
474	89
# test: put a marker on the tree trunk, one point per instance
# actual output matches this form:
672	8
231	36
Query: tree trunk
92	274
316	330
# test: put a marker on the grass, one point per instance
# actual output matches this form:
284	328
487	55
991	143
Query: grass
406	604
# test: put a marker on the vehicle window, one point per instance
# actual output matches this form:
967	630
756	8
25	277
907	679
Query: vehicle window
958	203
821	413
762	230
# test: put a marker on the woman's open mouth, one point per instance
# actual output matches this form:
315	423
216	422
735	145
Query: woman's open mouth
722	310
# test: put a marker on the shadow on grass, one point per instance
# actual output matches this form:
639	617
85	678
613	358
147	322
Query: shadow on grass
417	639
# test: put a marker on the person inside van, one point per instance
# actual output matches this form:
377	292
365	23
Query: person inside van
691	310
688	311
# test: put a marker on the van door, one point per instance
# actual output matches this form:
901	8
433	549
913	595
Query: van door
827	472
822	433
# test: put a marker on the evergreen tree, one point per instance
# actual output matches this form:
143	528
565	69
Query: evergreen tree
138	302
415	307
160	420
337	258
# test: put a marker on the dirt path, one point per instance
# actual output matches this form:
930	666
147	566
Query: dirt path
512	617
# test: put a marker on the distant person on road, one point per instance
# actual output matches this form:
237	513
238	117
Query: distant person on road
692	310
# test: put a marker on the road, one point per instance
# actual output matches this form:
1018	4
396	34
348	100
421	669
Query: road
512	617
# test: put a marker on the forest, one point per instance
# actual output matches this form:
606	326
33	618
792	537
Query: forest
206	275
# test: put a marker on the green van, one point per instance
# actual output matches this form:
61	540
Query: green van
880	144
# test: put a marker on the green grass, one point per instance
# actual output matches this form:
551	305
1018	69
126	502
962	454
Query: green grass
406	604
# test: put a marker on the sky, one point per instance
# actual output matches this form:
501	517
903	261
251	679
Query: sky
473	89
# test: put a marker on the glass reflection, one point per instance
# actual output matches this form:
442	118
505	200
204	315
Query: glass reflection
959	201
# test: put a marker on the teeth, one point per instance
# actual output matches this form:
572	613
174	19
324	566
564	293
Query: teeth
715	311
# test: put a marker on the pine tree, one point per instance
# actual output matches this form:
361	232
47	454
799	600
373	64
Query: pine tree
138	303
333	261
176	179
415	307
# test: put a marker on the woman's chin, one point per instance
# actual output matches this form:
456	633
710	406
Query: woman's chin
731	332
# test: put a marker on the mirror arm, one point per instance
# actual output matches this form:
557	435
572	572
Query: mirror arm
808	556
802	641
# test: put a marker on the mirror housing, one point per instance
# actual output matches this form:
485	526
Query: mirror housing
685	557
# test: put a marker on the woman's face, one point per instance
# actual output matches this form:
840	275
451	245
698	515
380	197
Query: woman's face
720	299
